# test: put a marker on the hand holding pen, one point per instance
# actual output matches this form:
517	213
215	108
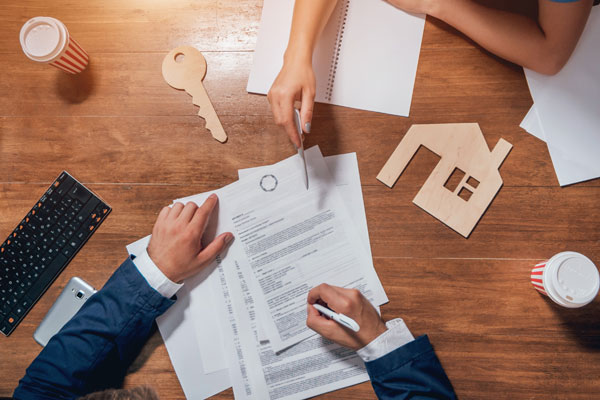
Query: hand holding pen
353	307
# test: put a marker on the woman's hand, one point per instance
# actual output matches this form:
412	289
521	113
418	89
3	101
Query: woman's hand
296	81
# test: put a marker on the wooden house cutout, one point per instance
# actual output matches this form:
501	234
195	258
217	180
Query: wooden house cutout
462	147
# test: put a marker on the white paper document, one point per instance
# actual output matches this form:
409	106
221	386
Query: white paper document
294	240
213	332
344	172
531	123
178	331
310	368
568	108
366	57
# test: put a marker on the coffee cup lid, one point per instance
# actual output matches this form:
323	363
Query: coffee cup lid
576	278
42	38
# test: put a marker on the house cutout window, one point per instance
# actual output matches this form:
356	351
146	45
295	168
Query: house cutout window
454	179
465	194
473	182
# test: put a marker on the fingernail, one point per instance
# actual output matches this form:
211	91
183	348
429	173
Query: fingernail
228	238
307	127
212	196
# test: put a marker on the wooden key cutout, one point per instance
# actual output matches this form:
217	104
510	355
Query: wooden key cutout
184	68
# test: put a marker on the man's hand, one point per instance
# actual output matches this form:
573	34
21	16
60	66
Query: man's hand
351	303
176	243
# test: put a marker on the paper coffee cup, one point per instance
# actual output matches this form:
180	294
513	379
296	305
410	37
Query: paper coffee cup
47	40
569	279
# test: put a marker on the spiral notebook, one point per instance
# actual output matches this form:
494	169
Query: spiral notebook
366	57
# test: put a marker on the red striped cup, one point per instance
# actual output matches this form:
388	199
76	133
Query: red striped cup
47	40
569	279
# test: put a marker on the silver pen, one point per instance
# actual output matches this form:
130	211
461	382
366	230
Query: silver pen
298	122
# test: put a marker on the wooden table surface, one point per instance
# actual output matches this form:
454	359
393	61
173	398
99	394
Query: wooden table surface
119	128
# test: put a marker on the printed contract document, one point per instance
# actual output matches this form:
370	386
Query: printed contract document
241	322
294	239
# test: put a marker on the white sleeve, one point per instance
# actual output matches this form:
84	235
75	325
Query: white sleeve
155	277
396	336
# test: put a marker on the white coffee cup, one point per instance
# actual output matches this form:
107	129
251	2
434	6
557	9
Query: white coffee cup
47	40
568	278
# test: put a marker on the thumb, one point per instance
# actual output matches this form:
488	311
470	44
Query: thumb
306	109
210	252
318	323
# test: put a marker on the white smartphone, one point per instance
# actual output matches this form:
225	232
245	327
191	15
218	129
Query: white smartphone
64	308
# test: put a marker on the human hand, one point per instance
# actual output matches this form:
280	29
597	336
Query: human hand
296	81
351	303
176	243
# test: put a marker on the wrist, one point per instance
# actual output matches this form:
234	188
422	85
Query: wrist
379	330
298	53
161	266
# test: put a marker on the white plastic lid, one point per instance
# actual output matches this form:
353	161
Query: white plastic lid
43	38
575	278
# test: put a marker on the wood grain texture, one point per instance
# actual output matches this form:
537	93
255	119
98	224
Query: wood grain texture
119	128
184	68
461	148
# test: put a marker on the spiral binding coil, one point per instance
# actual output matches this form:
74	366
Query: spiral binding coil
341	26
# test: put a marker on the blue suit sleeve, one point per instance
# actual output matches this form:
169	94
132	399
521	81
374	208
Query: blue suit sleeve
94	349
412	371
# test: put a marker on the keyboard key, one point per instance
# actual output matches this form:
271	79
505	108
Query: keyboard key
71	213
47	276
78	192
68	251
64	189
61	241
63	176
87	210
53	251
5	327
25	302
54	198
9	324
77	205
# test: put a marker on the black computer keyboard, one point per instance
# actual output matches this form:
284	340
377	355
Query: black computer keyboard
43	244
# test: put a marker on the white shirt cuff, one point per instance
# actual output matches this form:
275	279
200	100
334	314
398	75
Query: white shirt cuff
396	336
155	277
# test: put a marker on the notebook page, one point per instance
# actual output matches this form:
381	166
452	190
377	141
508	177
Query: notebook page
379	48
378	58
273	36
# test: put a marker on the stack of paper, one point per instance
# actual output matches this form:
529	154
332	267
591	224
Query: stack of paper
566	112
241	322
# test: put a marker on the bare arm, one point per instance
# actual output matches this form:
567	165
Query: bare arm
296	80
544	45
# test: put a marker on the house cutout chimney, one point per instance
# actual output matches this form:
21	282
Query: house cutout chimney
462	147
